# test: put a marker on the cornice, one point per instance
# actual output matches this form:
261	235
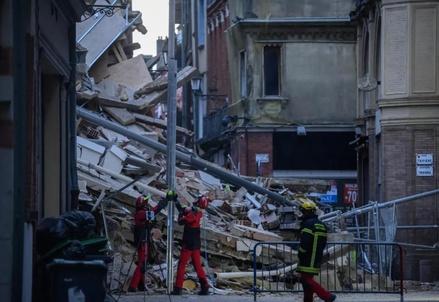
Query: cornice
408	121
325	32
408	102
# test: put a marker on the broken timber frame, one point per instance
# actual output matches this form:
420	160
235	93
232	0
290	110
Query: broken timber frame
191	159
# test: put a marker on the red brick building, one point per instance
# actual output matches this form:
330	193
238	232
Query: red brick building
218	77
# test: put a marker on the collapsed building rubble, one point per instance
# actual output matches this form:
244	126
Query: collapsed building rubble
121	142
236	219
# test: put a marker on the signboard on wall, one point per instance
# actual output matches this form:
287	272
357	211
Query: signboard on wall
424	159
350	193
263	158
424	170
424	164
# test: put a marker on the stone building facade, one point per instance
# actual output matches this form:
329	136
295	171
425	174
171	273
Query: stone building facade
293	73
399	120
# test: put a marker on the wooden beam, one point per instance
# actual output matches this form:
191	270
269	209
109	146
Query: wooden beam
116	53
159	123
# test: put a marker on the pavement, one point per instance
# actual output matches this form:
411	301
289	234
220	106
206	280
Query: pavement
419	296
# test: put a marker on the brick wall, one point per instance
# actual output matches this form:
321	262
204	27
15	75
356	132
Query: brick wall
250	144
400	146
218	79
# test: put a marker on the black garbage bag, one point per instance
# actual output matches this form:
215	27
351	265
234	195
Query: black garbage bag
73	251
80	223
69	226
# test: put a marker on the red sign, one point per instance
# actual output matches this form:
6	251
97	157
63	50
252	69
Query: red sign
350	193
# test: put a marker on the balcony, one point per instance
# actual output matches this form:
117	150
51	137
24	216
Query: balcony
212	126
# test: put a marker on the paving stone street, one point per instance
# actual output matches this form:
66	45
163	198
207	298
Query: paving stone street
414	296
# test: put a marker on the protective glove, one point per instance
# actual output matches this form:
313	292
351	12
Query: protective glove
162	204
171	196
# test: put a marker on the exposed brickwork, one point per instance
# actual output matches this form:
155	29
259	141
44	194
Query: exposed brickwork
250	144
400	146
218	79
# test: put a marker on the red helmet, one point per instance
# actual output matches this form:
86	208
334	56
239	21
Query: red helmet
142	201
203	202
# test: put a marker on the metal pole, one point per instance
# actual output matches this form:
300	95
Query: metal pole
196	124
171	134
191	159
370	207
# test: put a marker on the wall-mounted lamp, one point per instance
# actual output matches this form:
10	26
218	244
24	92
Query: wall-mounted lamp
301	130
165	53
196	85
196	89
165	57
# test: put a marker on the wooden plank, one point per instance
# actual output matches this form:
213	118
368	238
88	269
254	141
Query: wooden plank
121	115
183	77
121	51
158	84
116	53
257	234
151	62
159	123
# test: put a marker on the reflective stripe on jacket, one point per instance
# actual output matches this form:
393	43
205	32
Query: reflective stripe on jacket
313	237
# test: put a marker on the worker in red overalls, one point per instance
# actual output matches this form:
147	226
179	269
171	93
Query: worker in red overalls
190	246
144	220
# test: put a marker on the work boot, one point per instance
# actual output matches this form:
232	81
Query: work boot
204	287
204	291
141	286
177	291
332	298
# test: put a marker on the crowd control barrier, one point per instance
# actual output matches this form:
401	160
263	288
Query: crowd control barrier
347	267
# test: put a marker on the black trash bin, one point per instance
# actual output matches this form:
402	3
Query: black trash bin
77	280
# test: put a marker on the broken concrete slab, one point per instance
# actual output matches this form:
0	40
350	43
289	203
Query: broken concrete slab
131	73
121	115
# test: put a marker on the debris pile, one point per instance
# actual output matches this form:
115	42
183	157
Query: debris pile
114	169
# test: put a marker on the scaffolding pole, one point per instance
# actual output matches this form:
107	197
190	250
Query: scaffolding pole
171	137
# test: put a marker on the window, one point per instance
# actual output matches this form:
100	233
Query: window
201	22
272	70
324	151
242	76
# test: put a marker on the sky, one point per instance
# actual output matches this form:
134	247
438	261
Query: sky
155	16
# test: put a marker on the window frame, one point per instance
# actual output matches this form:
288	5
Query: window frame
276	91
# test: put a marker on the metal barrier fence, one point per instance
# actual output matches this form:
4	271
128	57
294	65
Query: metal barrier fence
347	267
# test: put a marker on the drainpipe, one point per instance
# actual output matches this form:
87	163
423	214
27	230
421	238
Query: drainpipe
74	188
195	100
20	19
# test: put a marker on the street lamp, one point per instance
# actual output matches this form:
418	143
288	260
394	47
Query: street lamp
196	85
197	112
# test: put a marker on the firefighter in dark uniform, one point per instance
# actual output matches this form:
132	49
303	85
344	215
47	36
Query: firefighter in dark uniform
191	243
313	237
144	221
